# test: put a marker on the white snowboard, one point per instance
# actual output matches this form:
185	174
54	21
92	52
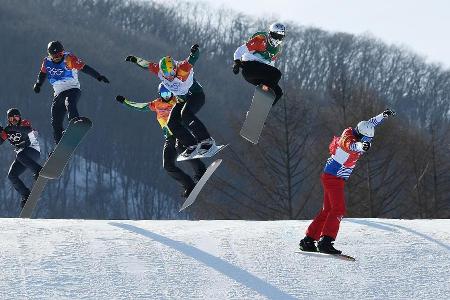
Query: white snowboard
256	117
198	187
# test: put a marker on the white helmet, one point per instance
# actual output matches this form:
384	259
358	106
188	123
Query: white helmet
277	32
365	128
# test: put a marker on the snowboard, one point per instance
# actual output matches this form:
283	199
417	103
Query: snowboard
57	161
73	135
210	153
36	191
198	187
256	117
320	254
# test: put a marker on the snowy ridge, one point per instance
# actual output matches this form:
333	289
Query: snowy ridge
90	259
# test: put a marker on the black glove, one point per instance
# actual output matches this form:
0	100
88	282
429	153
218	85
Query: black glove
366	146
236	66
1	128
120	98
388	112
131	58
37	88
102	78
194	48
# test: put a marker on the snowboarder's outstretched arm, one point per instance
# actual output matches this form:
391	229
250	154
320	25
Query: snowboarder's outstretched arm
74	62
194	55
40	79
92	72
154	67
144	64
253	45
378	119
133	105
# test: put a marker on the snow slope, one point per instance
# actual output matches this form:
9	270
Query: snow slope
81	259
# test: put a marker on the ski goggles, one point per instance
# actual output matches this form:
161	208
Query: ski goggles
169	75
58	55
166	95
277	36
366	139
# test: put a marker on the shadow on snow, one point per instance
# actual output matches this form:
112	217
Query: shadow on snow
391	227
241	276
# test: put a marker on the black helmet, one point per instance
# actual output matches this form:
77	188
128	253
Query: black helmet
55	47
13	112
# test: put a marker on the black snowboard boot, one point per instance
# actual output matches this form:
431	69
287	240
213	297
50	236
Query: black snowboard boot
325	245
190	151
307	244
206	145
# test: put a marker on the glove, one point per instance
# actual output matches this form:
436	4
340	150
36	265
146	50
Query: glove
131	58
366	146
102	78
194	48
1	128
388	112
361	147
120	98
37	88
236	66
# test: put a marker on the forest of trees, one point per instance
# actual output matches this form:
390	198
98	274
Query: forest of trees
331	81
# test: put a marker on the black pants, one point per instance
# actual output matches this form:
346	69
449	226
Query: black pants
170	152
26	159
183	122
65	102
260	73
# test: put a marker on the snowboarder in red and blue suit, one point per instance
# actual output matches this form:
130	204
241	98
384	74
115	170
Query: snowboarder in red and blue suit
345	152
61	68
21	135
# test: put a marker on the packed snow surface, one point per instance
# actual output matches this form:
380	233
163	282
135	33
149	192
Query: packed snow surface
88	259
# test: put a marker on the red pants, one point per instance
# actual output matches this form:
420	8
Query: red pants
328	220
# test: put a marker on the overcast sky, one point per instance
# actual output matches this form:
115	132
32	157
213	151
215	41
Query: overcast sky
421	25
